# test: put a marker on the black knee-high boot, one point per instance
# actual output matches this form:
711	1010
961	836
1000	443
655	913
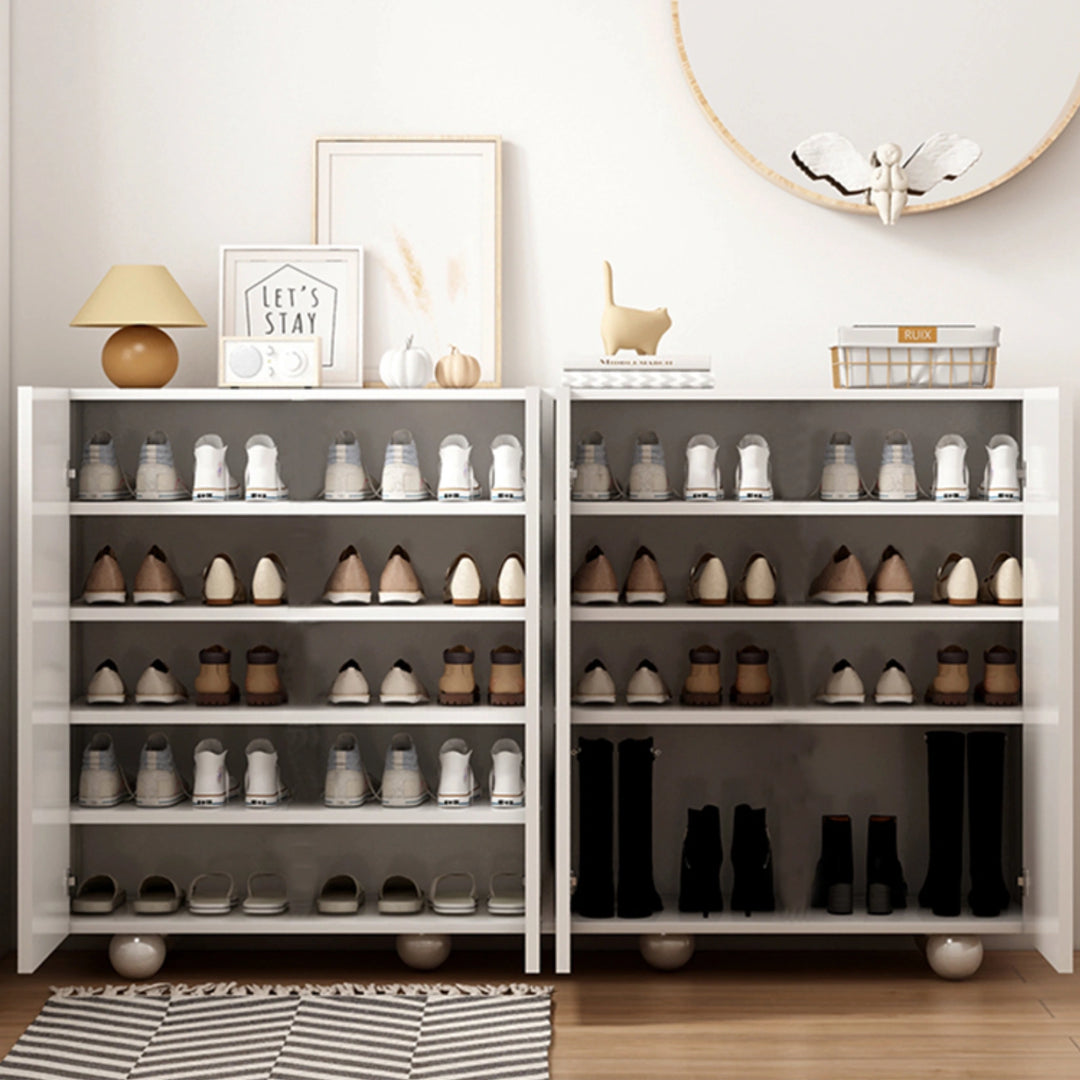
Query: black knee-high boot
637	895
702	857
989	894
945	775
595	893
751	859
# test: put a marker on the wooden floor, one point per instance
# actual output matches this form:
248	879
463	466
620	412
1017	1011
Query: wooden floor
727	1016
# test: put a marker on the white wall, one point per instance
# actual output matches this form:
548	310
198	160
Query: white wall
153	131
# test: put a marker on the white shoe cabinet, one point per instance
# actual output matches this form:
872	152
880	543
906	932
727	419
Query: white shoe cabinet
61	641
798	759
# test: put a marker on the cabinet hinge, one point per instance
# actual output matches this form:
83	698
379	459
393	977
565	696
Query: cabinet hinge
70	881
1023	881
70	472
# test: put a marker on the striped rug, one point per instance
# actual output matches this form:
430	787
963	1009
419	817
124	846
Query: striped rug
234	1032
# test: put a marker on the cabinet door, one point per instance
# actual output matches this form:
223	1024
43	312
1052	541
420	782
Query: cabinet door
43	666
1047	676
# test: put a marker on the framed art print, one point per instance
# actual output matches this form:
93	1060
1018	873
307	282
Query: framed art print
299	291
428	213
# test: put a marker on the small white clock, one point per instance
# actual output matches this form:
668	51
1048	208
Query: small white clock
269	361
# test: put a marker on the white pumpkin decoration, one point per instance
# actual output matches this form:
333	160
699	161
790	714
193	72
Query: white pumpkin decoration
457	370
409	366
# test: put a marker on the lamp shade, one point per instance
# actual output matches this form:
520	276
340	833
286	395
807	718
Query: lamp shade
138	296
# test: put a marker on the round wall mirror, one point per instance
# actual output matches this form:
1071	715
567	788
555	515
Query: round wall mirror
771	73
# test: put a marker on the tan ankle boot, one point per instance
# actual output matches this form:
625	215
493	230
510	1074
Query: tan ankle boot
507	684
702	686
458	683
213	684
1001	681
263	684
752	683
951	683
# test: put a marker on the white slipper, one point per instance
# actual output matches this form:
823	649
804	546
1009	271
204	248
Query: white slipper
212	894
506	894
400	895
157	895
98	895
341	894
267	894
457	898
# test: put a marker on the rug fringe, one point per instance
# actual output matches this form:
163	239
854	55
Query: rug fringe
235	989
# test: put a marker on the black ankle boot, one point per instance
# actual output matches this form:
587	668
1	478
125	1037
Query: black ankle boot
886	889
751	858
989	895
834	879
637	897
945	775
702	856
595	893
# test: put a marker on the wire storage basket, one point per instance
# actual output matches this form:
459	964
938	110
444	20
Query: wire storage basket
915	357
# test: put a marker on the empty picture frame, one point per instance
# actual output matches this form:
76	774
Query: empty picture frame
428	213
299	290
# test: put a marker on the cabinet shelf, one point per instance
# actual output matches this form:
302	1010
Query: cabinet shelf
313	715
193	612
810	613
805	716
797	508
299	508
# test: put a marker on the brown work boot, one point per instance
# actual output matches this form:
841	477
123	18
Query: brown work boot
752	683
507	683
457	686
1001	681
843	581
951	683
399	583
348	582
263	683
595	581
702	686
105	583
155	581
891	583
213	684
645	583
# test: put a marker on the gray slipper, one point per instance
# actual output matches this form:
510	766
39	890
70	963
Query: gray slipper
400	895
98	895
454	894
267	894
506	894
341	894
212	894
157	895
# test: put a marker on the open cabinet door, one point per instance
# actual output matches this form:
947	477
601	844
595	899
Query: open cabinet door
1048	677
43	666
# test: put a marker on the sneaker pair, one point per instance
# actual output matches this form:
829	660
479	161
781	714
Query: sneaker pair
403	481
262	473
101	478
214	785
102	783
156	686
844	687
1001	474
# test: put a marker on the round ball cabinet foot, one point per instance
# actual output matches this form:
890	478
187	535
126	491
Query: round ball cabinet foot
424	952
954	956
666	952
137	956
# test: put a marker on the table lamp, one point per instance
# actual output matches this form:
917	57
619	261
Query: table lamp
139	299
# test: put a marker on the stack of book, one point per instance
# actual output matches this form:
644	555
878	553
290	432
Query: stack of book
628	371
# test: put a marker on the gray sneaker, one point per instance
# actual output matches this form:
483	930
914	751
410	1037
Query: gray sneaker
840	472
345	477
346	781
156	477
648	474
896	477
100	476
401	478
592	474
158	782
403	783
101	783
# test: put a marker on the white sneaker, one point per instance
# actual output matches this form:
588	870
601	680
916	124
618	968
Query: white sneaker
702	470
592	480
1003	585
894	687
950	469
350	687
156	477
262	476
347	783
843	686
214	785
101	781
268	581
157	685
840	472
596	686
158	782
510	584
505	478
956	581
463	586
1001	477
106	687
402	687
345	478
457	784
506	781
100	476
708	583
403	783
753	474
401	479
456	478
646	687
262	781
212	477
896	474
648	474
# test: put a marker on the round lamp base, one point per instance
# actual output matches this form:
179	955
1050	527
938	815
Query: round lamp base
140	356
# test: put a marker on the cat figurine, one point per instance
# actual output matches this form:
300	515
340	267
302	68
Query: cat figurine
630	328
